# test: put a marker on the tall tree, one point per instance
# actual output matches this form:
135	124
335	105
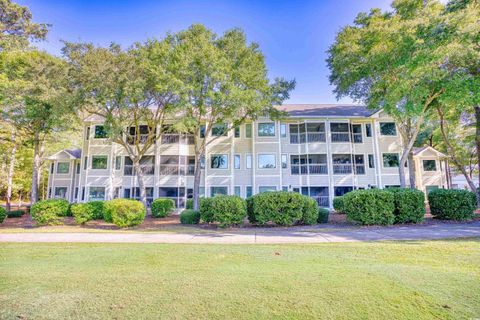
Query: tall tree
392	60
224	81
131	90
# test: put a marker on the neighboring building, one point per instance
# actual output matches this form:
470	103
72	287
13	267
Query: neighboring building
320	150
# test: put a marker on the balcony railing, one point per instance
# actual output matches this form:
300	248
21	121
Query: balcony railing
174	170
142	138
172	138
147	170
316	137
357	137
322	201
360	169
340	137
309	169
297	138
342	168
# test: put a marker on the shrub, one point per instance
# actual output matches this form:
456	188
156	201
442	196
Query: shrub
367	207
452	204
82	212
162	207
323	215
409	205
98	208
206	210
190	216
125	212
189	204
3	214
15	213
338	204
226	210
280	207
49	212
309	211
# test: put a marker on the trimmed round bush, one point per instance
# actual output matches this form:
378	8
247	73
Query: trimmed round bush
309	211
82	212
162	207
125	212
189	204
98	209
409	205
226	210
49	212
3	214
338	204
452	204
280	207
15	213
323	215
368	207
189	216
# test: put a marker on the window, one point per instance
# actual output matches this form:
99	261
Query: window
49	192
202	163
371	161
148	194
236	161
267	161
248	130
85	163
368	130
266	189
237	132
177	194
63	167
266	129
248	161
429	189
76	193
126	193
342	163
284	161
219	161
143	135
219	129
147	165
357	133
61	192
297	133
118	162
238	191
390	160
340	132
83	193
87	133
99	162
52	166
318	193
340	191
78	168
284	188
315	132
429	165
116	192
202	131
283	130
388	129
96	193
359	162
391	186
218	191
308	164
100	132
248	191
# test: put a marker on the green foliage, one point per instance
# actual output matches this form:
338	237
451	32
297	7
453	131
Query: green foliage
226	210
189	204
338	204
280	207
309	211
367	207
189	216
97	207
450	204
15	213
3	214
409	205
82	212
125	212
49	212
323	215
162	207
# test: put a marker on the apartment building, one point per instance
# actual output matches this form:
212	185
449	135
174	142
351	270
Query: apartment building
320	150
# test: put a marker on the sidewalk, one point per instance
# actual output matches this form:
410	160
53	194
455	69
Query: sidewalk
290	235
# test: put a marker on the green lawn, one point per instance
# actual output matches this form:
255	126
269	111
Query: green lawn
381	280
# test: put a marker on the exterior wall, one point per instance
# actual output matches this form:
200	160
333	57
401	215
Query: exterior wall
427	180
255	177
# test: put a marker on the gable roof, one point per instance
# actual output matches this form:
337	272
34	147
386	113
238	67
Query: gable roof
326	110
70	153
419	150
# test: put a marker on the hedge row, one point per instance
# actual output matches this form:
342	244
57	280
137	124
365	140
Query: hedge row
162	207
3	214
448	204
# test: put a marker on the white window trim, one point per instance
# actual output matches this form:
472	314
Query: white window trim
94	129
385	135
98	155
240	187
266	154
286	130
69	168
253	191
55	192
251	131
218	154
383	162
266	122
217	186
286	160
246	161
276	188
105	192
239	161
423	165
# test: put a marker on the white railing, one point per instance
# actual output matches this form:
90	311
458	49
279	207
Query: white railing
172	138
142	138
174	170
322	201
340	137
316	137
357	137
317	169
360	169
129	170
342	168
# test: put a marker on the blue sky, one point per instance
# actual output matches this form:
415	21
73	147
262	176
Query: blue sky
293	35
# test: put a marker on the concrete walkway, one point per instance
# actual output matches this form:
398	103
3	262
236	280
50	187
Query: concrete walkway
271	236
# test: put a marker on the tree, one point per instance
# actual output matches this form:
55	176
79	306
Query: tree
34	99
224	81
392	60
132	90
16	26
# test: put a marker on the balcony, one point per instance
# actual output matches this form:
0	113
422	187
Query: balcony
342	168
175	170
309	169
147	170
316	137
323	201
357	137
340	137
172	138
297	138
142	138
311	137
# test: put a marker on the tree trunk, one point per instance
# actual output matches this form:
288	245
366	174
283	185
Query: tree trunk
196	181
401	168
141	182
411	170
477	143
11	170
36	169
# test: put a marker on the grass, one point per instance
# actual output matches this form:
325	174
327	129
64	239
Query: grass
394	280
